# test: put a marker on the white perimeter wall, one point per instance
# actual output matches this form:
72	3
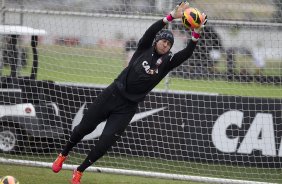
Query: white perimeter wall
92	29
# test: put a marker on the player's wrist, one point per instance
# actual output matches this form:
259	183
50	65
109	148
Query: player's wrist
168	18
197	31
195	36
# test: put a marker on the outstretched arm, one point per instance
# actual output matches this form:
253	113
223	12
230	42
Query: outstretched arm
187	52
147	39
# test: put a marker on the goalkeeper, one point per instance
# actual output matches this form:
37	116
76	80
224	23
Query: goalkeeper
118	103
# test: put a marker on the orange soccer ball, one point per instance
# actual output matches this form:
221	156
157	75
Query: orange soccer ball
192	18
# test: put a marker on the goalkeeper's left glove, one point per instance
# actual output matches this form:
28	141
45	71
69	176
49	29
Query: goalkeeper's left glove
196	32
176	12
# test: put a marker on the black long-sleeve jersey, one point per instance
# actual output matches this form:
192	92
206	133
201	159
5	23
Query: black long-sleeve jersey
147	68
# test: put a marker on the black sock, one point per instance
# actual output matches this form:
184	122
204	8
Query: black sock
68	148
92	157
85	164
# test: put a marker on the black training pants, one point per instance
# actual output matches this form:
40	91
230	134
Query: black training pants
110	106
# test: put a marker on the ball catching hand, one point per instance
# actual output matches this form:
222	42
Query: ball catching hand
179	9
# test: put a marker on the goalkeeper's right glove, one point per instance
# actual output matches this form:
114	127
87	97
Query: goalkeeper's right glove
176	12
196	32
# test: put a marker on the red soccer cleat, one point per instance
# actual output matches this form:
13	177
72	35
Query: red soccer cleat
76	176
58	164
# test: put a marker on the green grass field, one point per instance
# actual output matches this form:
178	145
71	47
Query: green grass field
144	164
102	66
36	175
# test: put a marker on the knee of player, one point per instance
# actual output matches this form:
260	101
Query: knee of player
106	141
81	131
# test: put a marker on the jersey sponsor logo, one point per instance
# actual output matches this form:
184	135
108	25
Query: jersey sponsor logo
99	129
260	135
148	69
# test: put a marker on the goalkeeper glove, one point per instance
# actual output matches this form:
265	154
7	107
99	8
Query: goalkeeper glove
196	32
176	12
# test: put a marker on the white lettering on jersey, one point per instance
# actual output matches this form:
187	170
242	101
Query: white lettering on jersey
147	68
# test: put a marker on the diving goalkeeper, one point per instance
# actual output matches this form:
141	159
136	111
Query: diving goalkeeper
117	104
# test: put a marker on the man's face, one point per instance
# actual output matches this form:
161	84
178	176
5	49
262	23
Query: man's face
163	46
